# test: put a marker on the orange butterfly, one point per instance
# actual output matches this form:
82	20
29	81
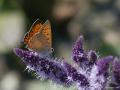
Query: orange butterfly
39	37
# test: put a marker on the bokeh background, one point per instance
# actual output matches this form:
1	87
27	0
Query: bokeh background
97	20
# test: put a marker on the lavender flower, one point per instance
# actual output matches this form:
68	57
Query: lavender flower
78	53
103	64
90	73
116	69
79	79
116	74
92	57
43	67
99	73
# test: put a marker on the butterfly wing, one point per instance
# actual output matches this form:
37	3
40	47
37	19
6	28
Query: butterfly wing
35	28
41	41
46	31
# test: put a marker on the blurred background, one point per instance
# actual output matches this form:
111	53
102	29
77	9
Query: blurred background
97	20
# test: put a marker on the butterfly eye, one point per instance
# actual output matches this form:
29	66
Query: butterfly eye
52	49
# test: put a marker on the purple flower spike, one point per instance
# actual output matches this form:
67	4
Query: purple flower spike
24	54
90	73
76	77
44	67
103	64
78	54
99	73
116	70
92	57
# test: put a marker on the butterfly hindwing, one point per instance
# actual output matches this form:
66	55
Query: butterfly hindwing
46	31
37	43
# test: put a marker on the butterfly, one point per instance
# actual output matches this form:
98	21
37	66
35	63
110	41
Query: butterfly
39	38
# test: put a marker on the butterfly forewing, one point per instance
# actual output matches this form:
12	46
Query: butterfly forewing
35	28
